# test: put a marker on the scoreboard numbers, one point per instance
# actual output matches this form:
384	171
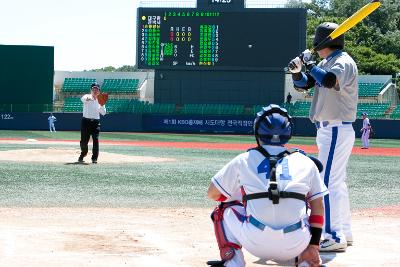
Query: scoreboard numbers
193	39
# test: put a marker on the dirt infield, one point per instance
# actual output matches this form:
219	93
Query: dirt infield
65	155
378	151
97	237
168	237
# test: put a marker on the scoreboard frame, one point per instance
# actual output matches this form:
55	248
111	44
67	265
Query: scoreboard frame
291	48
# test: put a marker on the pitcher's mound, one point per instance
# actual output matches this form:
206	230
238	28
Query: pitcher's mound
56	155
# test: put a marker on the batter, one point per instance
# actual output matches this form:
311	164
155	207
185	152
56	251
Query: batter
333	110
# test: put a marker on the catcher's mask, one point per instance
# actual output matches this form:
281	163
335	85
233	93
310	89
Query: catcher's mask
273	126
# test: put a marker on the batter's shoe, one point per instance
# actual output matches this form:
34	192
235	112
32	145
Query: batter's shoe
330	245
80	159
94	161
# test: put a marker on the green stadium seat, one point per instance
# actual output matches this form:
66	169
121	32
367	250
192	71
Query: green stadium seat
364	89
120	85
77	85
374	110
213	109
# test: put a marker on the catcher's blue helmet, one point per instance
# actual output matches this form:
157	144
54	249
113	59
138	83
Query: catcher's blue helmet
273	126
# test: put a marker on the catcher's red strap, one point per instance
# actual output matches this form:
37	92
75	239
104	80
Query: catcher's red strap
226	248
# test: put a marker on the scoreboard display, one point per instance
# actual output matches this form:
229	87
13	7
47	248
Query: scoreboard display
185	39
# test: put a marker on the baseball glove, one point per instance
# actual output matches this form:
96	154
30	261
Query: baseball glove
371	133
102	98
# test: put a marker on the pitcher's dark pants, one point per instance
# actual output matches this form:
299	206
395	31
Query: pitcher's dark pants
90	127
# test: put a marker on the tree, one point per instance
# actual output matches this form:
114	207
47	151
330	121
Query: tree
374	42
124	68
371	62
127	68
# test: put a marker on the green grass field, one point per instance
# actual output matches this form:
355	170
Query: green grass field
372	181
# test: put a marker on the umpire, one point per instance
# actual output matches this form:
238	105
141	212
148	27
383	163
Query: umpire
90	125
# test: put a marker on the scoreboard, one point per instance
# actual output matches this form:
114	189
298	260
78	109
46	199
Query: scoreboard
193	39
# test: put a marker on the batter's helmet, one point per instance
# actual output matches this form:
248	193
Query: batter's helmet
323	31
273	126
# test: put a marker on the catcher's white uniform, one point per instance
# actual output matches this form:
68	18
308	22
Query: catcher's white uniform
267	230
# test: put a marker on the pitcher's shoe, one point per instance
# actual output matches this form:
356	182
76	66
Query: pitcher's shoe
330	245
80	159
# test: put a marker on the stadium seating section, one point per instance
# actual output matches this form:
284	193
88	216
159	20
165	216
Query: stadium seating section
120	85
77	85
396	113
137	106
74	104
82	85
287	106
369	89
217	109
300	109
364	89
374	110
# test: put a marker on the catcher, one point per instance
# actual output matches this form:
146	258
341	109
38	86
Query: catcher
263	195
93	106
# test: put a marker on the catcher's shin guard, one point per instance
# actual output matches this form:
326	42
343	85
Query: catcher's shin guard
226	248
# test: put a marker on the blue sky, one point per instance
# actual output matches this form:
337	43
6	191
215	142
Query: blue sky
86	34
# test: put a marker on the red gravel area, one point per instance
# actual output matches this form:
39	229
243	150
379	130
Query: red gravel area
374	151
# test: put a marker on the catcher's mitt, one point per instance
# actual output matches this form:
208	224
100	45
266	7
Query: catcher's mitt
102	98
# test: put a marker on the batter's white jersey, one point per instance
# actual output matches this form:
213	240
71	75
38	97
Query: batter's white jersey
250	171
337	104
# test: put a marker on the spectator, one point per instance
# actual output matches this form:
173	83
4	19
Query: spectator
289	98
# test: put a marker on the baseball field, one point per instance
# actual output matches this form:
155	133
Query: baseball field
144	203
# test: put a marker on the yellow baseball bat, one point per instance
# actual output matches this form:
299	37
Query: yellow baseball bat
351	21
348	23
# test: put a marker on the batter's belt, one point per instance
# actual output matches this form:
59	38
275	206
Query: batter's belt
323	124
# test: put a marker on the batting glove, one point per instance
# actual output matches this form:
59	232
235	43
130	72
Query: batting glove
308	59
295	65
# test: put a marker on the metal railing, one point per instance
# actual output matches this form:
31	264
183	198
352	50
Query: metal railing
26	108
389	95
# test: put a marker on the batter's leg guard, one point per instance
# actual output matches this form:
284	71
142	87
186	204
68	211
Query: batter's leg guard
226	248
